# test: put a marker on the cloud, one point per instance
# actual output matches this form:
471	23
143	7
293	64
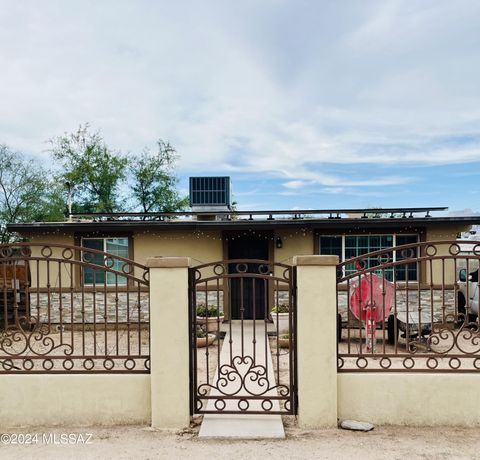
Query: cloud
296	184
277	88
467	212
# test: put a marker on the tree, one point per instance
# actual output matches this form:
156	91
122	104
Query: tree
27	193
94	172
154	182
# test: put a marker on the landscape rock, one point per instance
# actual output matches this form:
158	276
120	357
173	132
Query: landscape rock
356	426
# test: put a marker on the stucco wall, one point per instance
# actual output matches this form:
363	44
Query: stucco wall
51	238
202	248
435	272
207	246
65	272
294	243
413	399
90	399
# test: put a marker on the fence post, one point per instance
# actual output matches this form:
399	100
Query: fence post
169	342
316	341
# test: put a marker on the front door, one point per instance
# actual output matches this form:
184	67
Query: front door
248	295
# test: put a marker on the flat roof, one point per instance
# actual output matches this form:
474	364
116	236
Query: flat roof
372	218
240	224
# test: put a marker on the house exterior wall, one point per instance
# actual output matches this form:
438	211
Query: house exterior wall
435	272
39	278
208	246
294	243
202	247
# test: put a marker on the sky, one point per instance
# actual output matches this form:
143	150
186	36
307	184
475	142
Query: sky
304	104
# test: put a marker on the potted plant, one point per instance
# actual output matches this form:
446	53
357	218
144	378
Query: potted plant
209	314
280	316
204	339
284	341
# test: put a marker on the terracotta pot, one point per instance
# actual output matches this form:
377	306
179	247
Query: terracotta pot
204	341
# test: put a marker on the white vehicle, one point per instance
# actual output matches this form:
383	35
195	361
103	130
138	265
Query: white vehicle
468	291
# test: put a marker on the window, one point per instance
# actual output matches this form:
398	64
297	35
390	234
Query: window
349	246
115	246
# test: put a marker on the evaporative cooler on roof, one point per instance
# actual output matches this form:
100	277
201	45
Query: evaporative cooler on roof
210	193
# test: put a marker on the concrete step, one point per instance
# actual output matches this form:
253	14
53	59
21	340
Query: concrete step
244	425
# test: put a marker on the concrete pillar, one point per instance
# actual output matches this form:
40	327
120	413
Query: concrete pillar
169	345
316	341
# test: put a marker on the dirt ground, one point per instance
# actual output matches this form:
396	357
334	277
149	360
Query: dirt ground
144	443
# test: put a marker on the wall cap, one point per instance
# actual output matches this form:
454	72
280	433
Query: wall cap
315	260
168	262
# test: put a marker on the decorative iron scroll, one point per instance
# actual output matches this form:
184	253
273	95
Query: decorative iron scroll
238	364
51	321
429	323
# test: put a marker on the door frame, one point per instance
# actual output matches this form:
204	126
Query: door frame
271	256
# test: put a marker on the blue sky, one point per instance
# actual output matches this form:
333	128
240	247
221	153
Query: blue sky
305	104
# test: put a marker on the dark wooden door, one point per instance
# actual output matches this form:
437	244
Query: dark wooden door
248	292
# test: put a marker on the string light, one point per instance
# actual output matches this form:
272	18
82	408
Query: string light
217	235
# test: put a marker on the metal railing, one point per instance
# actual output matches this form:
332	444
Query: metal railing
416	312
69	309
268	214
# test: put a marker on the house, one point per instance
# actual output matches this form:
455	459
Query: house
212	231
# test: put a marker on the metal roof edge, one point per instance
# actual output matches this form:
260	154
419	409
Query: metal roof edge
186	225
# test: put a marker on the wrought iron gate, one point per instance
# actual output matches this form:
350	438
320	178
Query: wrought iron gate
242	316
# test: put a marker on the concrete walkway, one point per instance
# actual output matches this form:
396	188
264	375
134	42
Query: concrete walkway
244	425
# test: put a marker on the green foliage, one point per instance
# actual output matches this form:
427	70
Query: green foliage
97	176
282	308
211	311
153	181
28	193
93	170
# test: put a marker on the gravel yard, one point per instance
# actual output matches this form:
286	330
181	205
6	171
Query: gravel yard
123	442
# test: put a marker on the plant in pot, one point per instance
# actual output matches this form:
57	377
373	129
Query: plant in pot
284	340
280	316
204	339
209	315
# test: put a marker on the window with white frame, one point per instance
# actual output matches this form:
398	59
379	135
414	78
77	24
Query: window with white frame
349	246
114	246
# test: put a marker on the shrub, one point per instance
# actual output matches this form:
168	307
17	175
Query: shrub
282	308
201	334
210	312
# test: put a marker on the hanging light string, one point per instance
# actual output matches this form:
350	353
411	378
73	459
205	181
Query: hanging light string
218	236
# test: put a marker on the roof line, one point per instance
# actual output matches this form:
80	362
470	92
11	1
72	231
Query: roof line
297	213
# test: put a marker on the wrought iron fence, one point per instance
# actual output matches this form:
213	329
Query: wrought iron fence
69	309
242	338
410	308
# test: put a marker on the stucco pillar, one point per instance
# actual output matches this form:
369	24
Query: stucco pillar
316	341
169	346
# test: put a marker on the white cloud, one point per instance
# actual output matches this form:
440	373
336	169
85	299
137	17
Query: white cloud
276	87
467	212
296	184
